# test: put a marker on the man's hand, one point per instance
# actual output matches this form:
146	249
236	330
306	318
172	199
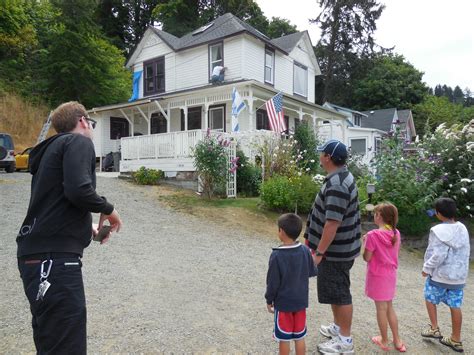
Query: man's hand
270	308
317	259
424	274
115	223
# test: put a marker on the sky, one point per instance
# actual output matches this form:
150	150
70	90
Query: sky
435	36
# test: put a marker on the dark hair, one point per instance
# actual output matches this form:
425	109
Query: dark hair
338	161
446	207
65	117
389	214
291	224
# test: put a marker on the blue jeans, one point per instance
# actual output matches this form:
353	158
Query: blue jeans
217	79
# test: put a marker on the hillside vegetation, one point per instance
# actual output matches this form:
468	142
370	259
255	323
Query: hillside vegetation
22	119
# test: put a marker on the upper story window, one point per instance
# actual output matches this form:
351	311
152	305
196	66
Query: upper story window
300	79
216	57
154	80
269	66
357	119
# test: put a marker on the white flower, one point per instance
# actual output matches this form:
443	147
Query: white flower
468	207
312	160
450	185
450	159
305	151
292	161
466	180
299	173
438	154
274	154
463	190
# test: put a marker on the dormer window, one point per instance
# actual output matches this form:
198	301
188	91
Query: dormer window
216	56
154	80
357	119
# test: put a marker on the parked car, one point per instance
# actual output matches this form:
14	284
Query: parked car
22	159
7	153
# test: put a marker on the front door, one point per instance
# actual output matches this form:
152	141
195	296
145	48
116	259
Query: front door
217	117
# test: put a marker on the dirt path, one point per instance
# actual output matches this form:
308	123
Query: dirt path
170	282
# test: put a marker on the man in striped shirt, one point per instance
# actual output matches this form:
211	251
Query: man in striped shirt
333	233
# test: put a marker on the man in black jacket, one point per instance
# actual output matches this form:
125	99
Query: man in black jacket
57	228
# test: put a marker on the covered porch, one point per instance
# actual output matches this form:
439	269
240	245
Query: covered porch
160	132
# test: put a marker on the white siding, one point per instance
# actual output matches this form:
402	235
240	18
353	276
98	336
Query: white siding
301	54
233	58
154	47
283	73
191	69
253	59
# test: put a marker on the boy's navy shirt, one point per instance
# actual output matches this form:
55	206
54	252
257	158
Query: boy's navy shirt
289	270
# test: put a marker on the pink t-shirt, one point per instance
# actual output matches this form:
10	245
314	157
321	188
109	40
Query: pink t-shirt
382	268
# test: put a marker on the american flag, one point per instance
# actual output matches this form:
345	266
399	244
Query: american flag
275	113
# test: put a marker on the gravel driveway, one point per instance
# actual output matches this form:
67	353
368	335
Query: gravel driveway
169	282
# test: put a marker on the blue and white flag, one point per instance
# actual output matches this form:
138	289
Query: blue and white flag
237	106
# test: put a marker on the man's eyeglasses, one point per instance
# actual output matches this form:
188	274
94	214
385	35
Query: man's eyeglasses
92	122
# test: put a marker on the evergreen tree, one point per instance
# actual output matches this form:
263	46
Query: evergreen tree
347	28
438	90
458	95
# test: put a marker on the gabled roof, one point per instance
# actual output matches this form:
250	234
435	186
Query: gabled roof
404	115
288	42
341	108
379	119
224	26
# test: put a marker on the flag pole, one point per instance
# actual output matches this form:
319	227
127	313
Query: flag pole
268	100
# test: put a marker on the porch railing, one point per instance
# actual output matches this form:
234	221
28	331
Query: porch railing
161	145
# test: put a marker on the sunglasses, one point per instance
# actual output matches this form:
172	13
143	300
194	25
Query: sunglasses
92	122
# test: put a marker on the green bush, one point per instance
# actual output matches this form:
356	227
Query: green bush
249	176
285	194
146	176
414	225
210	160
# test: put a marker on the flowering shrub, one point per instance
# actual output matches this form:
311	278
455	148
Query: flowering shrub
144	176
210	160
450	152
403	179
289	194
305	147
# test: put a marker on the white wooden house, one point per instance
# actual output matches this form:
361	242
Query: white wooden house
361	140
174	102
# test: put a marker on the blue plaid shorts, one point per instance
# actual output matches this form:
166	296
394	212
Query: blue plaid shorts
436	294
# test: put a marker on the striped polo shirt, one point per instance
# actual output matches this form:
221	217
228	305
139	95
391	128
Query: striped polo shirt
337	200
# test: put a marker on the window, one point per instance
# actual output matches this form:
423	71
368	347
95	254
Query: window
358	146
194	118
287	123
357	119
269	65
300	79
119	127
216	57
158	123
217	117
378	145
262	120
154	81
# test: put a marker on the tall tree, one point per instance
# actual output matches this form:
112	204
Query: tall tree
458	95
347	28
280	27
81	65
391	82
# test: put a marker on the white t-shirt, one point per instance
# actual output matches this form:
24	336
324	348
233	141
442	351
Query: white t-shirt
217	70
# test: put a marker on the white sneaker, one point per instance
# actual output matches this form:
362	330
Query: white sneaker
328	331
336	346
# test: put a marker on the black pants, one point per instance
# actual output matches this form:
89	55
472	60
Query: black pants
59	320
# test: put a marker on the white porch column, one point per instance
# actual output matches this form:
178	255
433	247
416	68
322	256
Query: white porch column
315	129
252	127
185	111
205	124
300	114
168	119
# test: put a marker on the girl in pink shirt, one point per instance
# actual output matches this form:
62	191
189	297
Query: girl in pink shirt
381	247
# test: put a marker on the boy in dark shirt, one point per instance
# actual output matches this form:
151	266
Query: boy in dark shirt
290	267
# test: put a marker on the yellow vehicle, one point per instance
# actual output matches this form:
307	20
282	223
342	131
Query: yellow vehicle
22	160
